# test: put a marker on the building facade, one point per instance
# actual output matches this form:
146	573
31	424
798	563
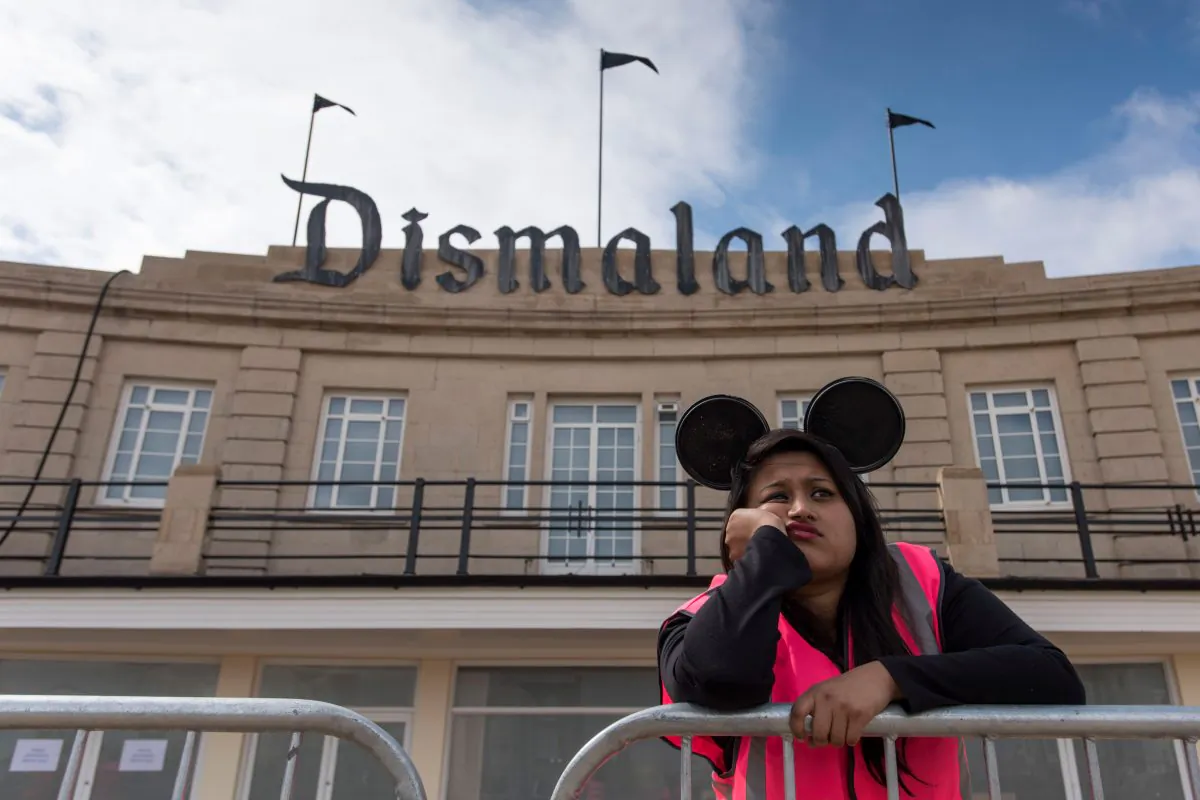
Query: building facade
457	507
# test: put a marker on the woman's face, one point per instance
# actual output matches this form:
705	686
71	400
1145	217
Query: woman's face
798	489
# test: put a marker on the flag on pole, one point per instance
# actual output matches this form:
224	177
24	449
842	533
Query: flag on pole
900	120
609	60
321	102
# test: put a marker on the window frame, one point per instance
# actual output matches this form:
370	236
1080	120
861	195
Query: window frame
679	507
326	773
106	476
1059	433
349	395
453	710
590	566
510	422
1193	385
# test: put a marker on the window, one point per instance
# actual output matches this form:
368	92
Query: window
2	377
1129	770
1017	441
361	438
158	428
668	464
791	412
328	768
594	447
1186	392
516	470
513	730
100	776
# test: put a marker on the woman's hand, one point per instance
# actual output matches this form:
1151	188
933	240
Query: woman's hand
841	707
743	522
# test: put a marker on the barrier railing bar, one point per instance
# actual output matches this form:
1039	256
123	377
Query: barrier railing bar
989	723
238	715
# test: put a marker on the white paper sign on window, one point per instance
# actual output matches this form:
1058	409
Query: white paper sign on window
143	755
36	755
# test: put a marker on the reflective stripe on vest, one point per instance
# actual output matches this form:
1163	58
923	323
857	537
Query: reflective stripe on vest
757	773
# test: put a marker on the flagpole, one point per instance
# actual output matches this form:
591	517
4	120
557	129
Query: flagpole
304	177
600	157
892	142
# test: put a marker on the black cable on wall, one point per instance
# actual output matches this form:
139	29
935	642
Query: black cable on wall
66	404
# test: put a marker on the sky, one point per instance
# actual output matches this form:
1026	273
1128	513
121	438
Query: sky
1067	131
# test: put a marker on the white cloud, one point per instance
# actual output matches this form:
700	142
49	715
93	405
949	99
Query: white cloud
138	127
1134	206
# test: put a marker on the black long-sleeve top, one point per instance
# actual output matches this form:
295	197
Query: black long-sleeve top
723	656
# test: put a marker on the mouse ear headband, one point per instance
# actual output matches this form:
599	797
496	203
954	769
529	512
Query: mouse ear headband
858	416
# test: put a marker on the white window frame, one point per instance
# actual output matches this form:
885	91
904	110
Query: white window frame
350	396
327	772
118	427
801	401
503	663
1072	786
1194	396
1005	504
514	420
679	506
591	567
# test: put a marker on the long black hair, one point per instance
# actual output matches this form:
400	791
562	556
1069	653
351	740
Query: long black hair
873	580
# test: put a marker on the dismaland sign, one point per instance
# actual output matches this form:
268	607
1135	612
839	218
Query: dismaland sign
467	269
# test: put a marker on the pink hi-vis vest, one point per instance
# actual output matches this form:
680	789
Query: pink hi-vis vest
824	773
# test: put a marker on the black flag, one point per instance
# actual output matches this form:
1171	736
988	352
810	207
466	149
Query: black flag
321	102
609	60
900	120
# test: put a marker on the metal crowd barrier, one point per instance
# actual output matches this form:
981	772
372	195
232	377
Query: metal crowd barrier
235	715
988	723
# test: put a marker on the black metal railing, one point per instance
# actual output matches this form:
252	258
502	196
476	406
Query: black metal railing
463	528
1100	530
69	522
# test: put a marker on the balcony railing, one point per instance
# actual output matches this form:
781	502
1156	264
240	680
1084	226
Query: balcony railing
461	531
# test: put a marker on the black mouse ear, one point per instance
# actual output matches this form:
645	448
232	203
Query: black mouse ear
859	417
713	435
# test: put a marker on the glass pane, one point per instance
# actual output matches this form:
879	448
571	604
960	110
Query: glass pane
1017	446
621	687
196	423
987	449
396	408
362	406
1180	389
1029	769
203	398
140	679
152	467
1022	469
576	415
354	496
337	405
170	421
358	775
520	410
270	759
137	765
1041	398
1013	423
1139	770
363	431
983	425
511	757
979	401
333	430
171	397
139	395
360	451
520	433
1187	413
611	414
160	443
1010	399
351	686
32	763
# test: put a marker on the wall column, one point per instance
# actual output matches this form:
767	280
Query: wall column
970	540
431	723
263	401
1129	448
915	377
219	765
183	526
1187	673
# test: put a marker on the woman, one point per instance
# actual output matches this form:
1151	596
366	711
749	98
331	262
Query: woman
816	609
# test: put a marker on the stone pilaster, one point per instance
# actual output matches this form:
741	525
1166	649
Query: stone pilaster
1129	449
263	402
915	377
183	527
970	540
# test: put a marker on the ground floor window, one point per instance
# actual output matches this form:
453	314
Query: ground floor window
514	729
1130	770
117	765
328	768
